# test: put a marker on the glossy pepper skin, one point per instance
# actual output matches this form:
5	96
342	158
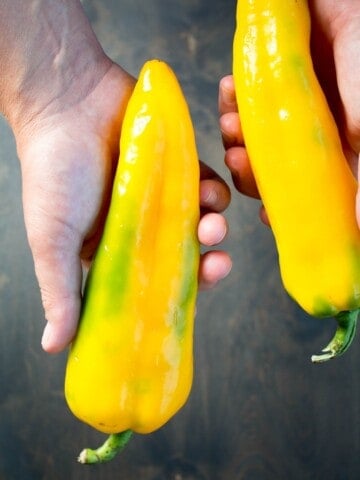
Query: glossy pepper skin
296	155
130	366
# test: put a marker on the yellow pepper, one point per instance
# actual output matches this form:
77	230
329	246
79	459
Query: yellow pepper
295	151
130	366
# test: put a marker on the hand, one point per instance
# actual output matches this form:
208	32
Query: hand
67	161
236	157
335	47
65	100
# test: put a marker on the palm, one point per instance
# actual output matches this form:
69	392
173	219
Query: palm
335	47
68	161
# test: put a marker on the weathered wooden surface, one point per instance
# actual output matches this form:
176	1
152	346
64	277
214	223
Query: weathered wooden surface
259	410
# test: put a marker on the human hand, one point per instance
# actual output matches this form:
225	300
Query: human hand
335	47
67	161
236	157
65	101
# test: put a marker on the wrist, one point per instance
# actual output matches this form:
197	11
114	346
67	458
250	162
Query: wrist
52	64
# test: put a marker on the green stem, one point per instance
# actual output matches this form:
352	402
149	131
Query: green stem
107	451
343	337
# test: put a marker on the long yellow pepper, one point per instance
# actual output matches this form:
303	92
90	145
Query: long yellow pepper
131	364
296	154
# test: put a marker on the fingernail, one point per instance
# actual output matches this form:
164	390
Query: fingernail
227	96
208	194
46	337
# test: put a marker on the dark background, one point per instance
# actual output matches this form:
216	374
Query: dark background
259	410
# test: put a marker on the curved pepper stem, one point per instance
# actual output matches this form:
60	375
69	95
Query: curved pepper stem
107	451
343	337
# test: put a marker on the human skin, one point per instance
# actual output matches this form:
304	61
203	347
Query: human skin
64	100
335	47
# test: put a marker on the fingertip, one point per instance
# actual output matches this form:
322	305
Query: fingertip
61	326
230	128
215	194
52	343
237	160
214	267
226	84
264	216
227	97
49	342
212	229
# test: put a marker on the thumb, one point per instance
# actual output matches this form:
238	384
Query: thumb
55	242
59	273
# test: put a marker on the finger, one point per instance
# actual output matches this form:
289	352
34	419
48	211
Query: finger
214	195
59	277
212	229
59	273
230	129
214	192
227	98
214	266
238	163
263	216
207	172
